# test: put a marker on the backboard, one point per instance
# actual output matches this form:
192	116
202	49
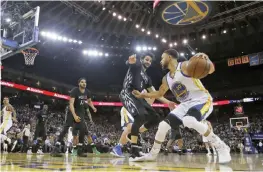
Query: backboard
241	122
19	30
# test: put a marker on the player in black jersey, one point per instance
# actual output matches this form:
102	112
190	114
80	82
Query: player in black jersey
40	132
78	98
69	121
143	113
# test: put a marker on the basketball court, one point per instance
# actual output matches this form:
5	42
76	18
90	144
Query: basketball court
105	162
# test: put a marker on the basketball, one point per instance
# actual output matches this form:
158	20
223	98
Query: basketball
198	66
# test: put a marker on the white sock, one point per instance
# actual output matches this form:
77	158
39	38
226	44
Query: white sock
163	128
214	150
208	150
156	148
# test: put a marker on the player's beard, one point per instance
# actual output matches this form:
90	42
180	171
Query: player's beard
146	66
82	86
165	65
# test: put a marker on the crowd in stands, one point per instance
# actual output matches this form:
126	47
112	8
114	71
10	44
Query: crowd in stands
107	132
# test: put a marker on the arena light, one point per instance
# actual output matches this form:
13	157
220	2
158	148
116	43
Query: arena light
181	54
144	48
8	20
149	48
185	41
114	14
43	33
65	39
143	29
70	40
164	40
124	19
103	8
137	26
175	44
154	48
60	38
193	53
75	41
138	48
85	52
80	42
148	32
120	17
170	45
203	37
100	54
224	31
157	36
106	54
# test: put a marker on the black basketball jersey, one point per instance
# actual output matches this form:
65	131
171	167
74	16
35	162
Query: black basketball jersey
80	100
42	117
136	78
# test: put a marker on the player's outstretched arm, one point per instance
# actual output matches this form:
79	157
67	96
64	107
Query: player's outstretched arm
155	94
161	99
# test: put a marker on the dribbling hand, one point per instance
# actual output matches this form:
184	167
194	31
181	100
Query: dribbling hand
171	105
136	93
77	118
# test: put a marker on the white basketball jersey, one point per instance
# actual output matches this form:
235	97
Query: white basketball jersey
7	115
186	88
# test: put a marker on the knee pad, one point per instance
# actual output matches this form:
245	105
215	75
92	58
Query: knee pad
173	121
189	121
163	128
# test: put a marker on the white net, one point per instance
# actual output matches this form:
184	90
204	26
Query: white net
30	55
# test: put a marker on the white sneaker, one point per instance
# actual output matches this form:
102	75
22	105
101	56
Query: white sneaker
29	151
209	153
146	157
66	152
150	157
39	151
223	152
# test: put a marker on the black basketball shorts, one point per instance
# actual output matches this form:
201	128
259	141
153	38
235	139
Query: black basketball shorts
137	106
69	120
40	132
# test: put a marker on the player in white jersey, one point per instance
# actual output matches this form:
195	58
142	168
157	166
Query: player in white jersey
7	123
70	139
206	142
195	104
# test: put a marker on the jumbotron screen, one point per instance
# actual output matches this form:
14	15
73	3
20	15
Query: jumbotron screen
239	110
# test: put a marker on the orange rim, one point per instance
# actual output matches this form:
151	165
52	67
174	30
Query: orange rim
33	49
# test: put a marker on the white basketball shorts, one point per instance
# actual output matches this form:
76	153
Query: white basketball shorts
5	126
205	106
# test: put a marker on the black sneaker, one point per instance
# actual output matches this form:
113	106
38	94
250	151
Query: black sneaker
80	152
135	153
56	151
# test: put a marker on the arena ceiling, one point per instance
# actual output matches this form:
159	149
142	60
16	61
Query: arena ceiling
94	23
231	28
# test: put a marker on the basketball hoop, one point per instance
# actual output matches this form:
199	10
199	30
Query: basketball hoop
30	55
239	127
